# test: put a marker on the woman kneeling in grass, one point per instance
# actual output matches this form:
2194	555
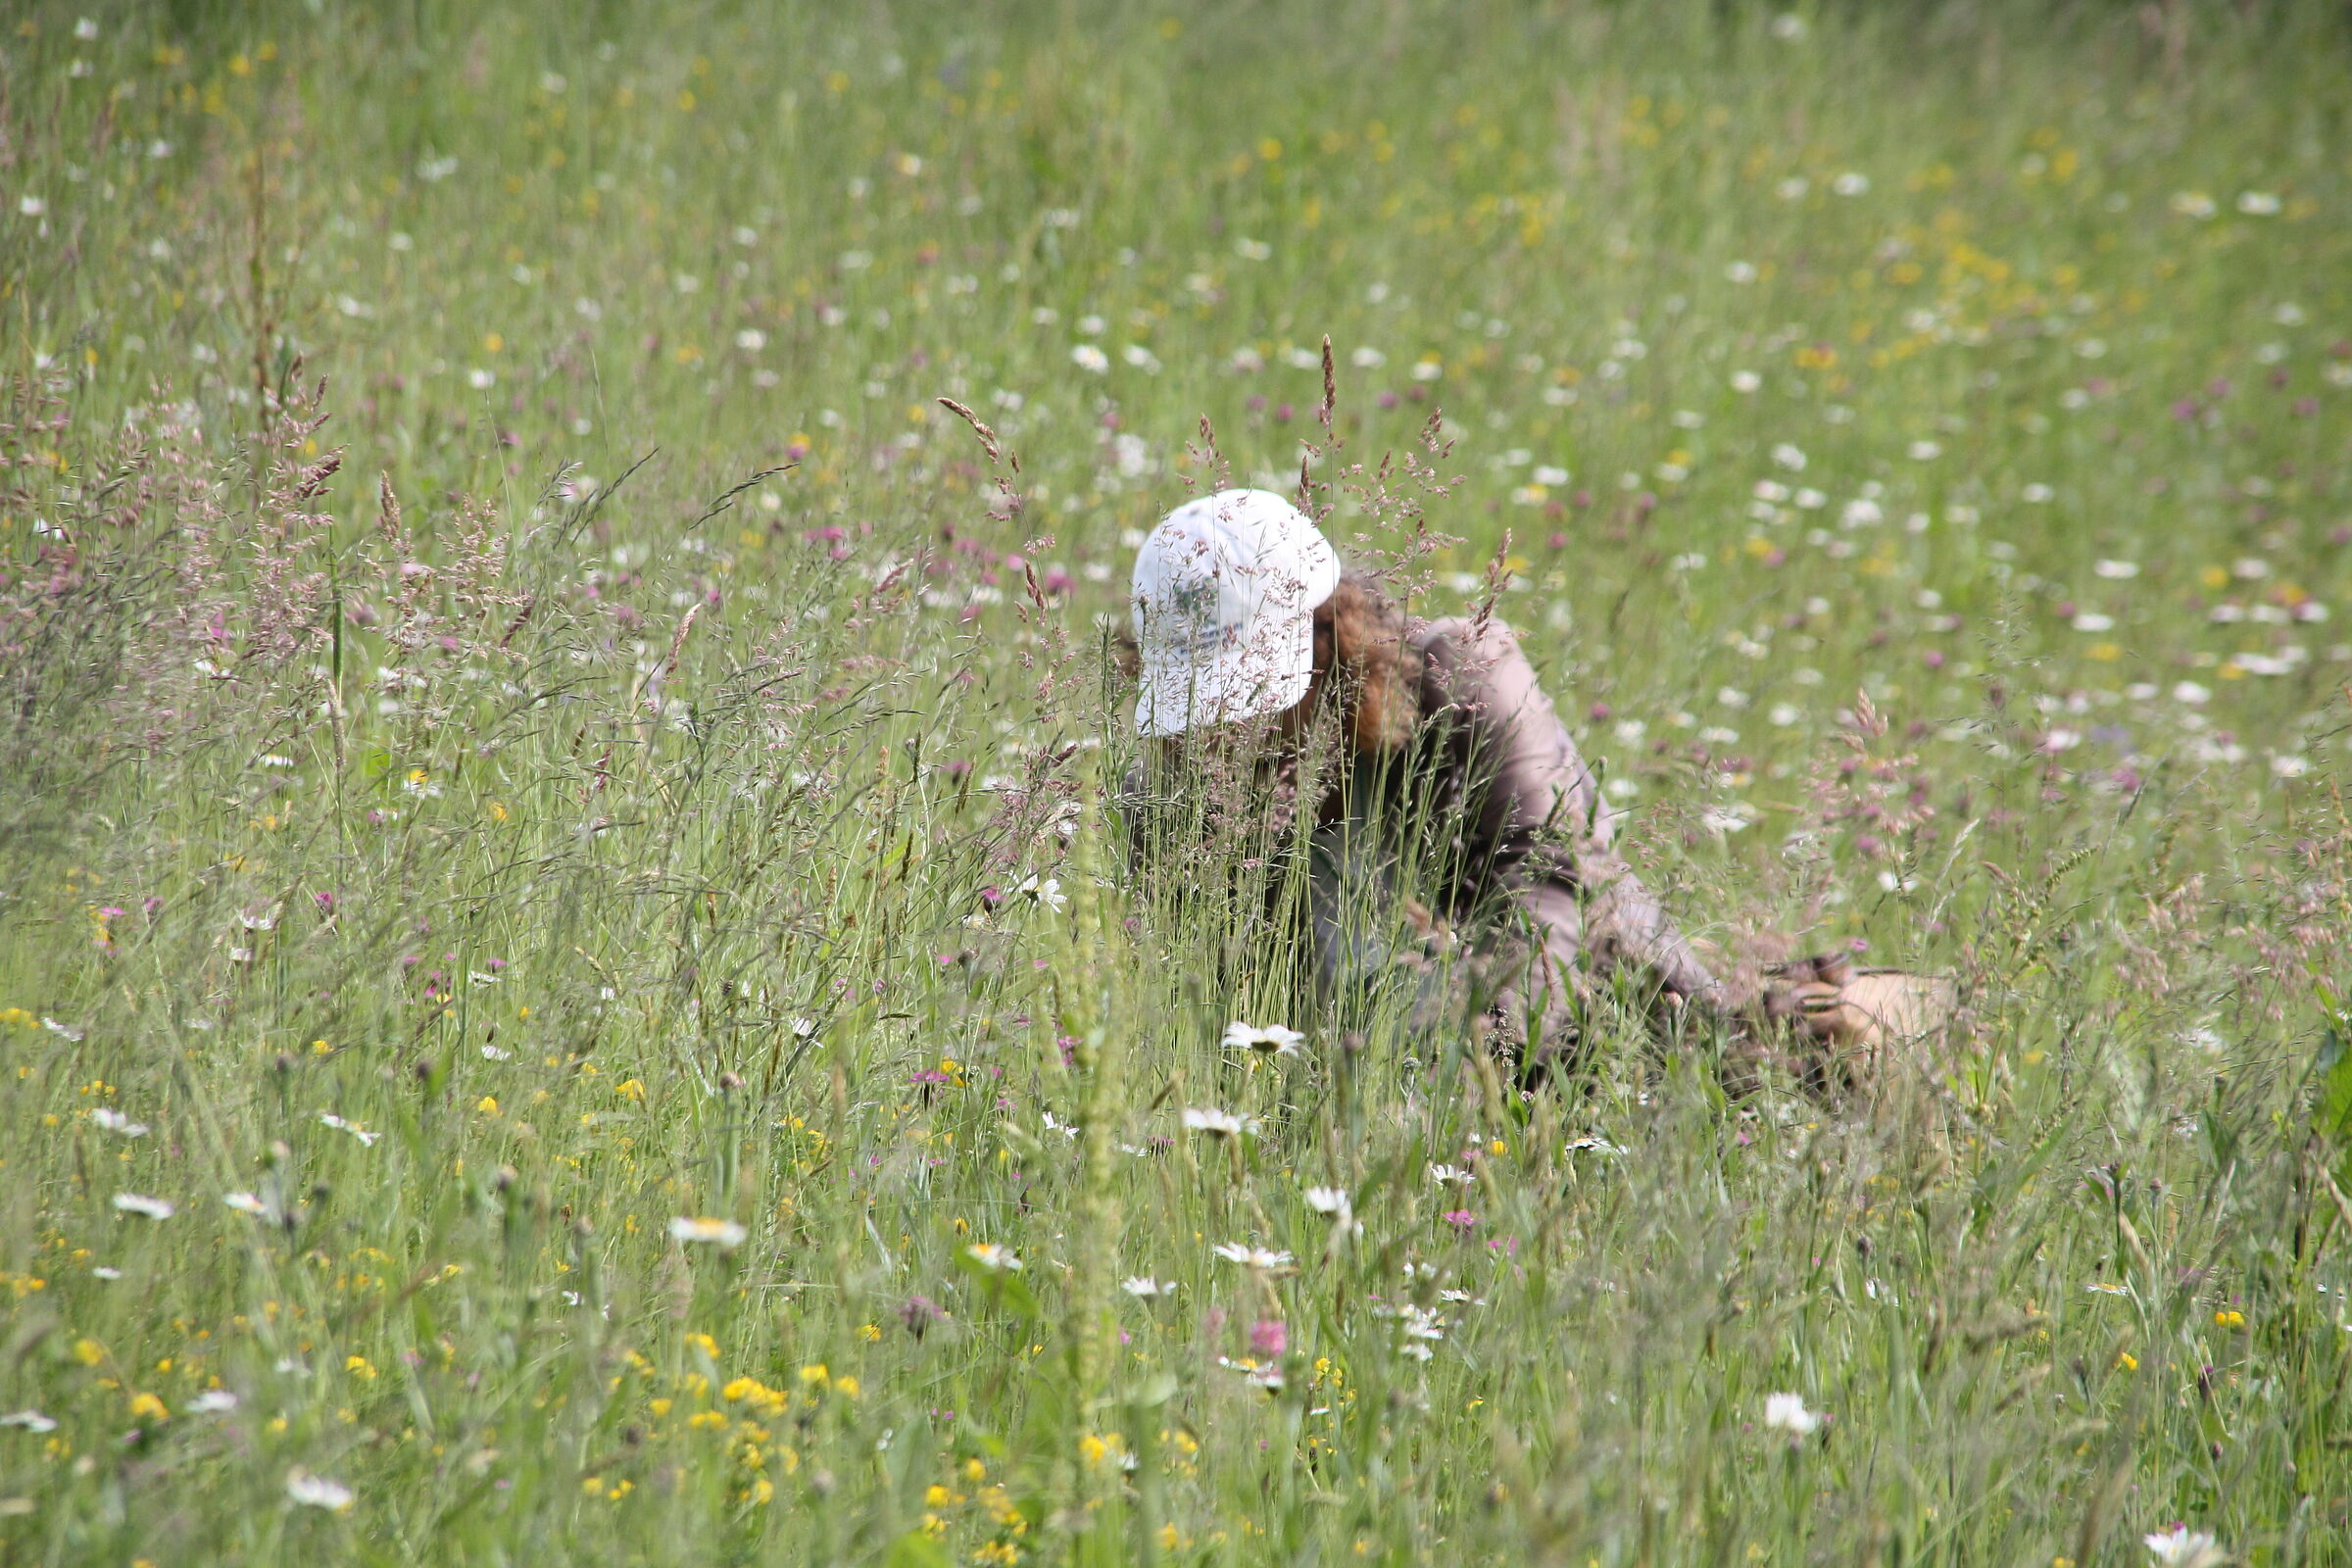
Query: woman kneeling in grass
1406	788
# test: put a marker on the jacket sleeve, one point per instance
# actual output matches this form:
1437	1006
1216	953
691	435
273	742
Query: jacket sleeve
1536	817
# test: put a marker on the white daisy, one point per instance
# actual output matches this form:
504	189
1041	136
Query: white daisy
1250	1256
724	1231
318	1492
1271	1039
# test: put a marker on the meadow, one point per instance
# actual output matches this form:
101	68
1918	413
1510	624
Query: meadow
571	989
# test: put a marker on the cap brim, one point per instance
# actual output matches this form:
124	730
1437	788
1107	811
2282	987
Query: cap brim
1179	694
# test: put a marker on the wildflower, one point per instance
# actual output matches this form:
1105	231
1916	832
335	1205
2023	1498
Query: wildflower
1144	1288
1271	1039
246	1203
328	1118
1332	1201
1420	1323
1087	357
1850	183
113	1121
2183	1547
1248	1256
318	1492
724	1231
1787	1412
1268	1378
2258	203
30	1420
1048	892
993	1258
213	1401
1269	1336
1598	1146
147	1407
1450	1176
139	1203
1219	1123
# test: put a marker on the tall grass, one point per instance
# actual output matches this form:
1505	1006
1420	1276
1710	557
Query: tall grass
620	952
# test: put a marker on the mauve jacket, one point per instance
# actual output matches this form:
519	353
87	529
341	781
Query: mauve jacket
1450	756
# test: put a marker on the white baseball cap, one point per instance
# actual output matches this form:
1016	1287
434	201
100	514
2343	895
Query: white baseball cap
1225	595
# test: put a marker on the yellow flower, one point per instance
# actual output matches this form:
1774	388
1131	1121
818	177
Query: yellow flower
487	1104
936	1497
870	1333
147	1406
629	1089
846	1385
89	1352
817	1373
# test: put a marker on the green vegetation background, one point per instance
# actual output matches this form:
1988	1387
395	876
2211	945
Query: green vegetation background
607	826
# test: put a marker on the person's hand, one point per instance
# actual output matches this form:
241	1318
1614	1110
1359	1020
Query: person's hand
1854	1018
